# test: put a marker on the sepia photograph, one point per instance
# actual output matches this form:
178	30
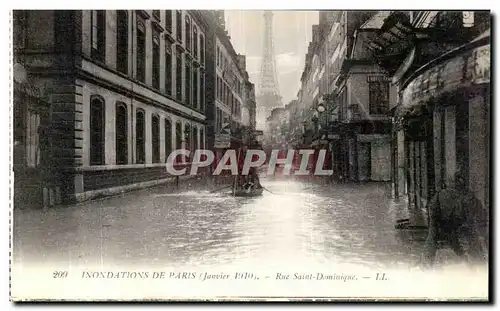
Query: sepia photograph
250	155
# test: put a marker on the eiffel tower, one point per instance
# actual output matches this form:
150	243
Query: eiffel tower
269	95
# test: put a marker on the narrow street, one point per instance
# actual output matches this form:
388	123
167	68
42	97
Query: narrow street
292	222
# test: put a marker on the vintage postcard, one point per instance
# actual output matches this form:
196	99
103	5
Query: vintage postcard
259	155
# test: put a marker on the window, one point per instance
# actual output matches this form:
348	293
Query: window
187	25
202	92
218	57
168	68
121	133
178	135
187	136
98	35
178	76
178	25
379	97
196	103
195	42
97	122
202	49
195	138
168	20
168	138
122	41
218	88
187	84
156	61
202	139
140	137
156	14
141	52
155	135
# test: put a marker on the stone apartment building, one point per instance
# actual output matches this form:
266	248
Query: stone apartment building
120	90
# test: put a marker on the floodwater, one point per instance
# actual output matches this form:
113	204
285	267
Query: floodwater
292	223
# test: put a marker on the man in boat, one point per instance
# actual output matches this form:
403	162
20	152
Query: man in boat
253	181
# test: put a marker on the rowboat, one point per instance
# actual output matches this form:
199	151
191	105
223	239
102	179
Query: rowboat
248	193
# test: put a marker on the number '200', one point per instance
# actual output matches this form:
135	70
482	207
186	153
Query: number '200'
60	274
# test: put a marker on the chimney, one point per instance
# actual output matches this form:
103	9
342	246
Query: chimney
221	19
315	30
242	62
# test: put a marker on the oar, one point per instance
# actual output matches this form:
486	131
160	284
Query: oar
267	190
225	187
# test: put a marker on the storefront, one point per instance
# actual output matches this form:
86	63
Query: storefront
445	120
35	182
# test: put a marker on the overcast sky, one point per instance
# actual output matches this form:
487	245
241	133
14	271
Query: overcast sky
292	34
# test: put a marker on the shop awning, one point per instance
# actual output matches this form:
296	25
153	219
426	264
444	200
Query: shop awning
460	68
393	41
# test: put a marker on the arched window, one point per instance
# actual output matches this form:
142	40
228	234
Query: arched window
195	138
195	42
98	35
178	140
141	52
97	122
202	49
155	135
187	84
178	135
178	25
121	134
140	137
122	41
168	138
196	103
168	20
187	30
168	67
187	136
156	60
202	138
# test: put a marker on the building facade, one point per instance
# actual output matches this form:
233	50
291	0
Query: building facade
124	88
440	64
343	98
233	100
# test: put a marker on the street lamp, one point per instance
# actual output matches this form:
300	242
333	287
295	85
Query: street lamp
320	108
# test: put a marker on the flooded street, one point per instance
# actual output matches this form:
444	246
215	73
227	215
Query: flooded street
293	222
